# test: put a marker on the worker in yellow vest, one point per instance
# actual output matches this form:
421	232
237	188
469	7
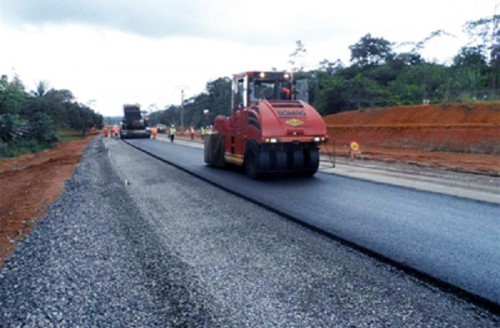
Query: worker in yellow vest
202	133
172	133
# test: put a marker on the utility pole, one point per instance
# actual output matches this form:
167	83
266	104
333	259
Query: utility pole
182	88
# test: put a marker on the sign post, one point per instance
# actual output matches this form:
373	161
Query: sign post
355	150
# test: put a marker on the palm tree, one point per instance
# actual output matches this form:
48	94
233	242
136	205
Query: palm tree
41	90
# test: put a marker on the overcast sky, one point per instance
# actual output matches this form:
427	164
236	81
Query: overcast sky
111	52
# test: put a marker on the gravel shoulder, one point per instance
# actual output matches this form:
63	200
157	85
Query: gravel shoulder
134	242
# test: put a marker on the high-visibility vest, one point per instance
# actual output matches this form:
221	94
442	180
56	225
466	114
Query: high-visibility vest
172	130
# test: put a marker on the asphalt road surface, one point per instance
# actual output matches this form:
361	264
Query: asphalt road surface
135	242
451	239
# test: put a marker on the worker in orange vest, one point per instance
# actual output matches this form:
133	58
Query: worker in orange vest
116	131
154	131
105	131
285	93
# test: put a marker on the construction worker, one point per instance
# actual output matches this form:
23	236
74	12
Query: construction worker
285	93
105	131
202	133
116	131
154	131
172	133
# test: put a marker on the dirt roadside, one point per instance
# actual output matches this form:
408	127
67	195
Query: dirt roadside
29	184
457	137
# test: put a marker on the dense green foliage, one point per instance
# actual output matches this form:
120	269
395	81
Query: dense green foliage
29	120
378	76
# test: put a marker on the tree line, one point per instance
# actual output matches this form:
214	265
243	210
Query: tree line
30	120
378	76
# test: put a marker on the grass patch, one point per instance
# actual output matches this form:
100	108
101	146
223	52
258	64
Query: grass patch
10	150
70	135
14	149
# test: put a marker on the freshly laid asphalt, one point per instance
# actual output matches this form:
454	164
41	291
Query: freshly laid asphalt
451	239
135	242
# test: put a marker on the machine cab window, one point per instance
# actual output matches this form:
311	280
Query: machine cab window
272	89
240	94
254	86
263	89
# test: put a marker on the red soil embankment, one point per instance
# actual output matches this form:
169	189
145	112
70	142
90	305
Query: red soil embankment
463	137
28	185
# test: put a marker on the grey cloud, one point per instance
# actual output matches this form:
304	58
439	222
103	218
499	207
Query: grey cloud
153	18
156	18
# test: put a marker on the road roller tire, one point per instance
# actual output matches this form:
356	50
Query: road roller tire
251	161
